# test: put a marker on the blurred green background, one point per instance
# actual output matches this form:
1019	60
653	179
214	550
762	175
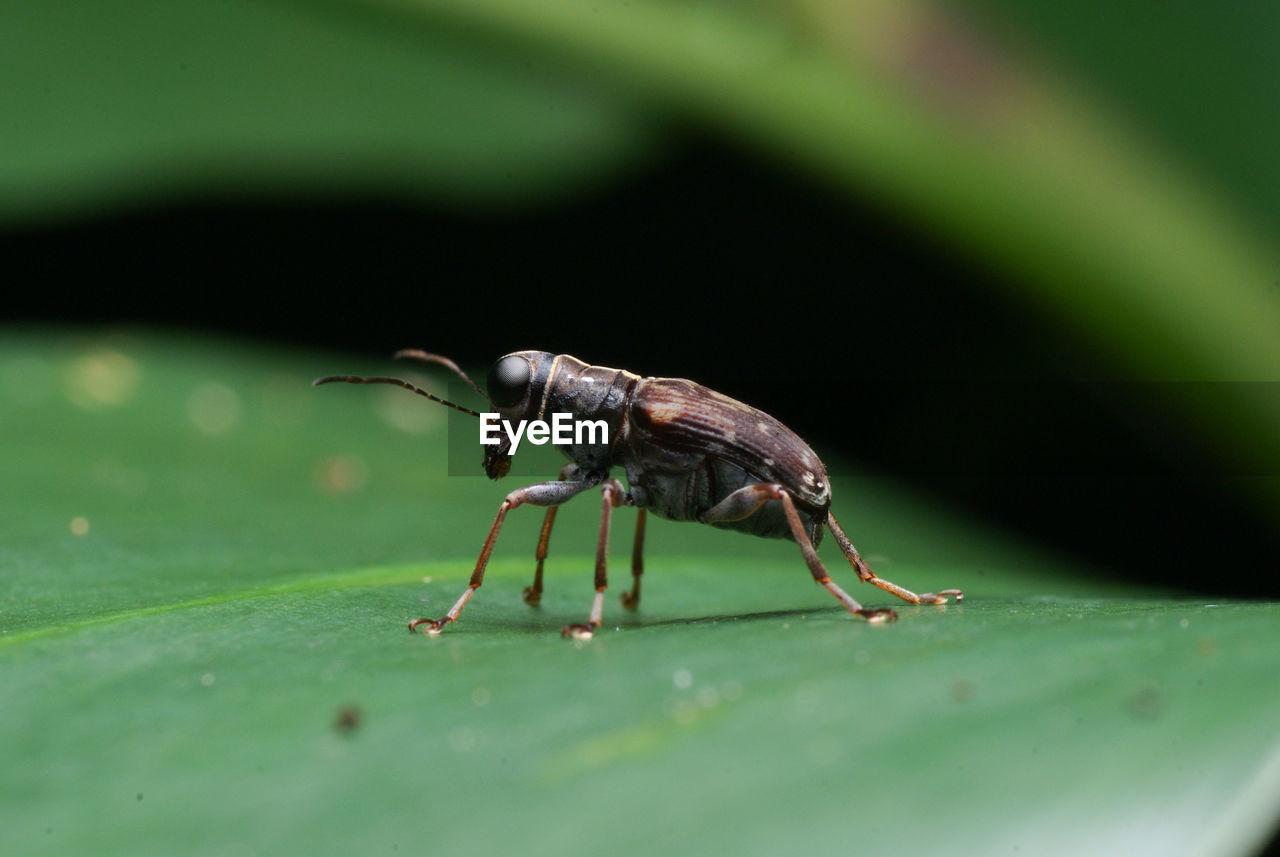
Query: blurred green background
1012	267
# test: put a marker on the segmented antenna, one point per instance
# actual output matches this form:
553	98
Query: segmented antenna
355	379
418	354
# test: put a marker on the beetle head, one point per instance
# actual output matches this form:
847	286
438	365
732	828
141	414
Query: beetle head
516	384
517	390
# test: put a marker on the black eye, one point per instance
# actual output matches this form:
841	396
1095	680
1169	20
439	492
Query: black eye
508	380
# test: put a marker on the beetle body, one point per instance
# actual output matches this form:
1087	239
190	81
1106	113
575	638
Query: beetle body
684	448
689	454
689	448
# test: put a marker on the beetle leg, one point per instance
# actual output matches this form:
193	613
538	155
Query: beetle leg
631	600
614	496
540	494
533	594
747	501
742	503
866	575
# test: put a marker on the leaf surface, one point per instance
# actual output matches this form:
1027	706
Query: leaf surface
208	568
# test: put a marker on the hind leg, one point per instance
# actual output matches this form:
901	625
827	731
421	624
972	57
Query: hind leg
866	575
745	502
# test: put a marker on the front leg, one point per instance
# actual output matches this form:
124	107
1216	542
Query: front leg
614	496
541	494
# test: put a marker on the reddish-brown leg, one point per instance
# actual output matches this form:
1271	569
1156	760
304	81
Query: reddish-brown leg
613	497
541	494
747	501
533	594
866	575
631	600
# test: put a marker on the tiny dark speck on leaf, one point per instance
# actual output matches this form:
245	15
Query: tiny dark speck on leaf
139	797
1147	703
348	719
961	690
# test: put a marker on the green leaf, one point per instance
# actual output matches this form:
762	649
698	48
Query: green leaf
209	564
126	102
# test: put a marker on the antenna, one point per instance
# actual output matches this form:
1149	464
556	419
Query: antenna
355	379
418	354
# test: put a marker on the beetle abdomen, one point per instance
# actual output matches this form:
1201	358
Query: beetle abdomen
681	415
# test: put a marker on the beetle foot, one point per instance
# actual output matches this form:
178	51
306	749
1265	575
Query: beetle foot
532	597
578	632
941	597
630	600
434	626
877	615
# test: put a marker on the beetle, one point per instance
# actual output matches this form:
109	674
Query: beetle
688	453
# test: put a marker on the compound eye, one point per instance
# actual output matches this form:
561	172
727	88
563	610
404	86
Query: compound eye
508	380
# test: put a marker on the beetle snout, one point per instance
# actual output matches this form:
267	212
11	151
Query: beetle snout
497	458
